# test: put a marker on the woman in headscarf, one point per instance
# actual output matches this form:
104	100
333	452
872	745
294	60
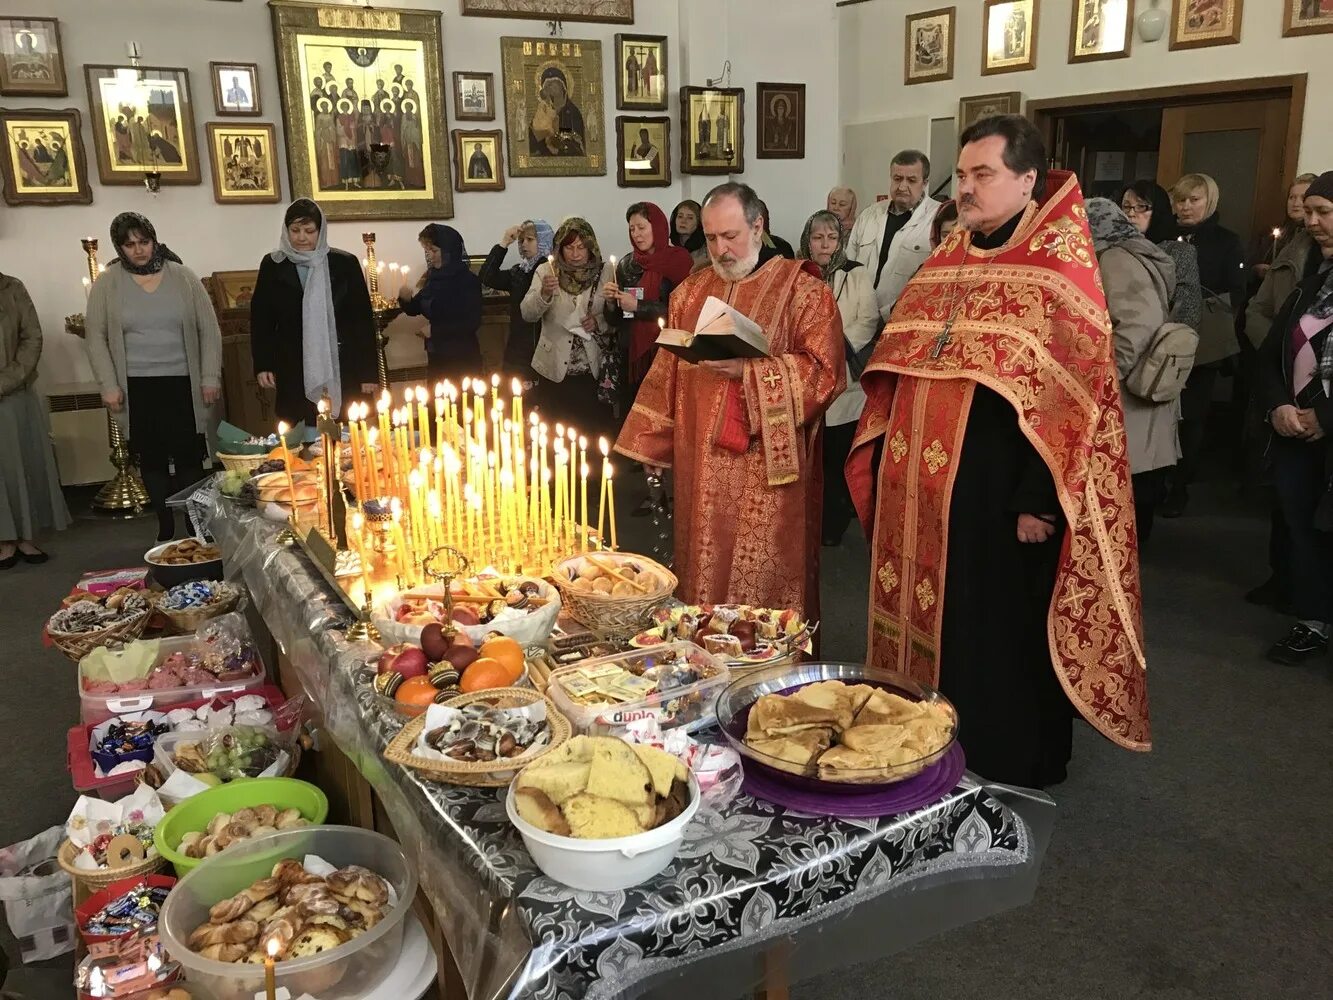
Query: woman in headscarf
450	297
687	231
30	497
535	239
566	297
1139	279
155	346
823	243
638	296
1148	207
1194	200
1294	385
311	327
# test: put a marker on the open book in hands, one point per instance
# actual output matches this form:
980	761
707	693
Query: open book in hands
721	333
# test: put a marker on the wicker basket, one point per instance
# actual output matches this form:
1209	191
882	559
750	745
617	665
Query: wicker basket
479	774
242	463
614	616
90	881
77	645
187	620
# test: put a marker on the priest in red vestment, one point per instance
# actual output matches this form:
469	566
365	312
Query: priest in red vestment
991	472
742	437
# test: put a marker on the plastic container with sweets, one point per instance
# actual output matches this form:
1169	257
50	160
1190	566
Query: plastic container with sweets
349	972
79	761
605	865
95	707
687	704
196	812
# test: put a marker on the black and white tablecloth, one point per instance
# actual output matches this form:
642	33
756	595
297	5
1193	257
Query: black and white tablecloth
750	873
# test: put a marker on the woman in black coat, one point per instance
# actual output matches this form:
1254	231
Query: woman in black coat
1294	378
311	328
535	239
450	297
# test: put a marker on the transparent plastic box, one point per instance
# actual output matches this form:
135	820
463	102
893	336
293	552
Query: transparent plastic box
348	972
689	706
95	707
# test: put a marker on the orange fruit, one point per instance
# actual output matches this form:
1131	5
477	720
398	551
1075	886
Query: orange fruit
507	652
484	674
416	694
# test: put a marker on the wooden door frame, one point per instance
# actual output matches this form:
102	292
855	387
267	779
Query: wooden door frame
1044	112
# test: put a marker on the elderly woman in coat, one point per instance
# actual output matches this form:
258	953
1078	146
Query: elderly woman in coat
1139	279
30	497
156	349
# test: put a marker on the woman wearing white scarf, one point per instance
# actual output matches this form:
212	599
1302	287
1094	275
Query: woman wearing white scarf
311	328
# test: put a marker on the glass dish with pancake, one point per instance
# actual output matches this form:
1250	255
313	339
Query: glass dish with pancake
837	728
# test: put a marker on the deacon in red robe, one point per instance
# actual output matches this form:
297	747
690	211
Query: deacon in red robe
991	472
743	437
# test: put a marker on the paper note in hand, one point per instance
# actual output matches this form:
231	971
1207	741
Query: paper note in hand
721	333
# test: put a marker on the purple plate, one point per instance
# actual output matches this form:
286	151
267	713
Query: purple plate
926	788
738	698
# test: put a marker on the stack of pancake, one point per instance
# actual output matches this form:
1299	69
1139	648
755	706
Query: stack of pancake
848	732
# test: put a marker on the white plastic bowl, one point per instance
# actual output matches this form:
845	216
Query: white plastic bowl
605	865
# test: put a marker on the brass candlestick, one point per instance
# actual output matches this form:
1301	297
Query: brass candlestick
363	629
445	575
384	310
124	494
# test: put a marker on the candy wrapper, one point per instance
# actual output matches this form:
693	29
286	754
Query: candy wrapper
716	768
227	646
247	710
94	824
126	739
196	594
108	581
124	907
482	733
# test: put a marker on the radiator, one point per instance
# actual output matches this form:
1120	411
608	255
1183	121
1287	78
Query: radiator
78	430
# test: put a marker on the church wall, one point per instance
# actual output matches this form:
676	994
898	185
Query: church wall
787	41
871	56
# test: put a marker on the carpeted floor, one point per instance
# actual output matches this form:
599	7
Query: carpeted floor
1198	872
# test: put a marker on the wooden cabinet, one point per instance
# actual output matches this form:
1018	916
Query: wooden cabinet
245	404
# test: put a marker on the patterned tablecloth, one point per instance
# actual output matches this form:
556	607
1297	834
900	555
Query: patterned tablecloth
753	879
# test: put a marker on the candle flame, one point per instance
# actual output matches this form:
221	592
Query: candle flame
396	508
433	503
358	522
414	479
408	395
439	389
373	436
515	387
495	380
661	323
272	947
421	394
439	406
426	456
609	471
282	428
559	430
603	446
583	443
583	470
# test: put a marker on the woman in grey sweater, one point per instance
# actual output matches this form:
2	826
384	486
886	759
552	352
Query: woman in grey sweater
155	346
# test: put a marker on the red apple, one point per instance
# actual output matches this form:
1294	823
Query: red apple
404	659
460	656
466	615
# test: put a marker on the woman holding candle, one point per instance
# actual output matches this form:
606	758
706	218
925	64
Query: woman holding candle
450	297
30	497
638	297
567	297
311	327
155	346
535	239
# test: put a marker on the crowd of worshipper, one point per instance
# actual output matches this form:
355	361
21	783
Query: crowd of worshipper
990	384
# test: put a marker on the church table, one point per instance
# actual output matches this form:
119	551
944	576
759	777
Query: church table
760	897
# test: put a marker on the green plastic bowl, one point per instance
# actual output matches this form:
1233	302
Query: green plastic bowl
196	812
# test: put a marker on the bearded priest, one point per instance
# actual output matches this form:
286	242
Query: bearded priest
742	437
990	471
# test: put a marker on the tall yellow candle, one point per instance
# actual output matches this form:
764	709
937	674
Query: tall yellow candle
583	518
495	390
372	442
611	502
408	396
417	509
399	542
476	508
439	418
423	416
548	540
560	496
605	449
489	491
358	542
287	463
358	486
435	520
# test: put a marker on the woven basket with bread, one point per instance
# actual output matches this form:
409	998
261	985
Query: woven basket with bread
613	592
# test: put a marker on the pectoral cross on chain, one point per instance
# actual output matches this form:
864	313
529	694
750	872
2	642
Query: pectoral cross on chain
942	341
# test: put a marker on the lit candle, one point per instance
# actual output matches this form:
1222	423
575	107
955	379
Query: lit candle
615	278
573	474
495	390
611	502
270	985
287	463
476	509
583	496
372	442
605	449
404	283
358	486
435	520
560	499
439	415
408	396
478	397
87	288
385	438
394	280
488	490
417	508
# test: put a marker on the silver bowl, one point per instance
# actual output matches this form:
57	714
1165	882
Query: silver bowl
736	700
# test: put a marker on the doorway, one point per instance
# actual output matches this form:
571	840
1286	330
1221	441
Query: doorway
1244	133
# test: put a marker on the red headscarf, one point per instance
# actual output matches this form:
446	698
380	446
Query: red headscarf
663	261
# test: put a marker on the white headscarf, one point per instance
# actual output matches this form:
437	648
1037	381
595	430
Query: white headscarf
319	329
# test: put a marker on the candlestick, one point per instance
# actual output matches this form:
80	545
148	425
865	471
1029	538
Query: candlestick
583	490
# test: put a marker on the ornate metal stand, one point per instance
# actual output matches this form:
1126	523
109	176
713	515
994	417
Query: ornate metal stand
124	494
384	310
